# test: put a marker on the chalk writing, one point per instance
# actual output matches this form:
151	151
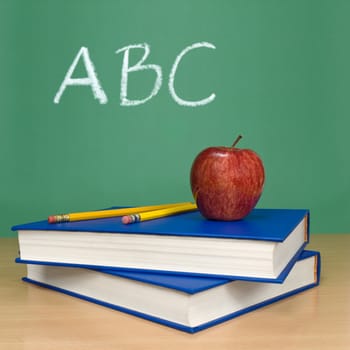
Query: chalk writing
91	78
98	92
124	101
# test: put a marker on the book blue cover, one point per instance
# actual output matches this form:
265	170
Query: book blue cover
185	282
261	224
281	277
189	285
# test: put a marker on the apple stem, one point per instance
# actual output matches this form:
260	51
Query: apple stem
236	141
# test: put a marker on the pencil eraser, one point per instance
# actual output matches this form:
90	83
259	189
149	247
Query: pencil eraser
126	219
51	219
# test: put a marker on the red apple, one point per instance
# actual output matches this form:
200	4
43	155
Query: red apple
227	182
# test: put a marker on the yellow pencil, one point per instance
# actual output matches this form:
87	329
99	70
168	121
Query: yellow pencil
99	214
156	214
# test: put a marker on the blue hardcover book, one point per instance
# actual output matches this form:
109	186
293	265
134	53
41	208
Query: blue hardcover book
263	246
187	303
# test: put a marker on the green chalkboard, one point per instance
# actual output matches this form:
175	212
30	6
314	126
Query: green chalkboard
276	72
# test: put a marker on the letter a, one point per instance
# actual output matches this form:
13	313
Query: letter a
90	80
124	101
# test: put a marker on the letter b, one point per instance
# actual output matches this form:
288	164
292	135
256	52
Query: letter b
124	101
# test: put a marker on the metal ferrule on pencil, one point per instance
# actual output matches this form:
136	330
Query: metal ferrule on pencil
134	218
61	218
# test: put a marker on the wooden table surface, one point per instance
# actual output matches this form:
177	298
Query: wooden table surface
34	318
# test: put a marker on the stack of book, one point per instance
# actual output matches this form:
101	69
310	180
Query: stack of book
182	271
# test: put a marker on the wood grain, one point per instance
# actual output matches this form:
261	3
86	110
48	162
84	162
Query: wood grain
33	318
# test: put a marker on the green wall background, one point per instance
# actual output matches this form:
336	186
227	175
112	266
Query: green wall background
280	73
